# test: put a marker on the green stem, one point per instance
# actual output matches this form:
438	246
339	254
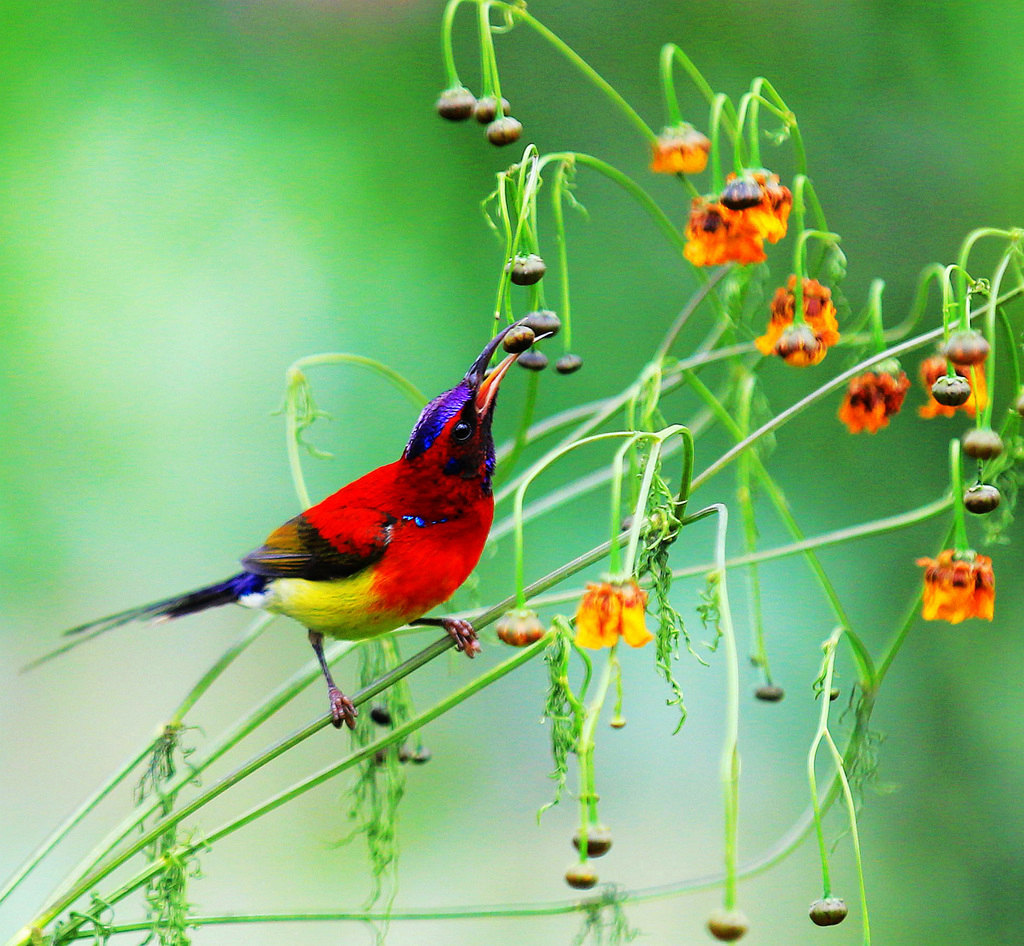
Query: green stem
990	331
585	754
519	13
630	186
558	219
957	488
447	52
812	754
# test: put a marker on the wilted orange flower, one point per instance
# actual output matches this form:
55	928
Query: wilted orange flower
806	343
872	398
716	234
958	586
680	150
611	610
934	368
770	217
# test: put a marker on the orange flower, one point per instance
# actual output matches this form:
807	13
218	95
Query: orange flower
716	234
934	368
769	218
806	343
958	585
611	610
680	150
873	397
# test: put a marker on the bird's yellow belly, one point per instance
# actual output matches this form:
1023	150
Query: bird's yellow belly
345	608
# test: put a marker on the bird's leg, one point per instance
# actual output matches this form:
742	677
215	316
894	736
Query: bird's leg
460	631
343	710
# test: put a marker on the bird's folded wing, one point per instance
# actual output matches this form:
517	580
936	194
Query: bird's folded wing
298	549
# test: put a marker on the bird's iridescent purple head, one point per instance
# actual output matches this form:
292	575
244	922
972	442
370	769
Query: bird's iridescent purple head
455	427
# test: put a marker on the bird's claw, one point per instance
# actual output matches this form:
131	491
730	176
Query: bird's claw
462	632
343	710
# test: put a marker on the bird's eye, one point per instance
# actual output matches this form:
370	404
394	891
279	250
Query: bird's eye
462	431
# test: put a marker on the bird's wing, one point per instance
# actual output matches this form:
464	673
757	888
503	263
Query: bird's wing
298	549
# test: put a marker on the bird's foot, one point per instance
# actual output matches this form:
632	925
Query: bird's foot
343	710
464	635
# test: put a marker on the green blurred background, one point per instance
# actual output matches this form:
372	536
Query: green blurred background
195	194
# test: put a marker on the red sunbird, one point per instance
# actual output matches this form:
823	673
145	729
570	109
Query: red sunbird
384	550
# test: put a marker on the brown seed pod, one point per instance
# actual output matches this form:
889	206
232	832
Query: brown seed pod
617	722
982	443
533	360
828	911
966	348
981	498
526	270
769	693
421	756
518	339
519	627
727	925
485	110
833	694
581	876
951	392
456	104
504	131
568	364
543	322
599	840
741	193
380	715
404	754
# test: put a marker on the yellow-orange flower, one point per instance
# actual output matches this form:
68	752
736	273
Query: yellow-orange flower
872	398
715	234
610	610
958	586
934	368
806	343
680	150
769	218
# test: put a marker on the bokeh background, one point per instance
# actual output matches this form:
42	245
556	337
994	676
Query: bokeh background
197	193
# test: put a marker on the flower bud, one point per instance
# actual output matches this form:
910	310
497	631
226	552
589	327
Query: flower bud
518	339
504	131
581	876
982	443
485	110
421	756
828	911
727	925
543	322
769	693
520	627
1019	405
966	348
741	193
617	722
456	104
599	840
981	498
526	270
380	715
533	360
951	392
568	364
833	694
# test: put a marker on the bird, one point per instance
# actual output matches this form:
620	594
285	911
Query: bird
386	549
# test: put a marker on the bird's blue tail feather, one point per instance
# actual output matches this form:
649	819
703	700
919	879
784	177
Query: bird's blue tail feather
212	596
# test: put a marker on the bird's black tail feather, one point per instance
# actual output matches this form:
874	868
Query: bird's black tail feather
224	592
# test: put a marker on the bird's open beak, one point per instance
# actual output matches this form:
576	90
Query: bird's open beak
488	390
